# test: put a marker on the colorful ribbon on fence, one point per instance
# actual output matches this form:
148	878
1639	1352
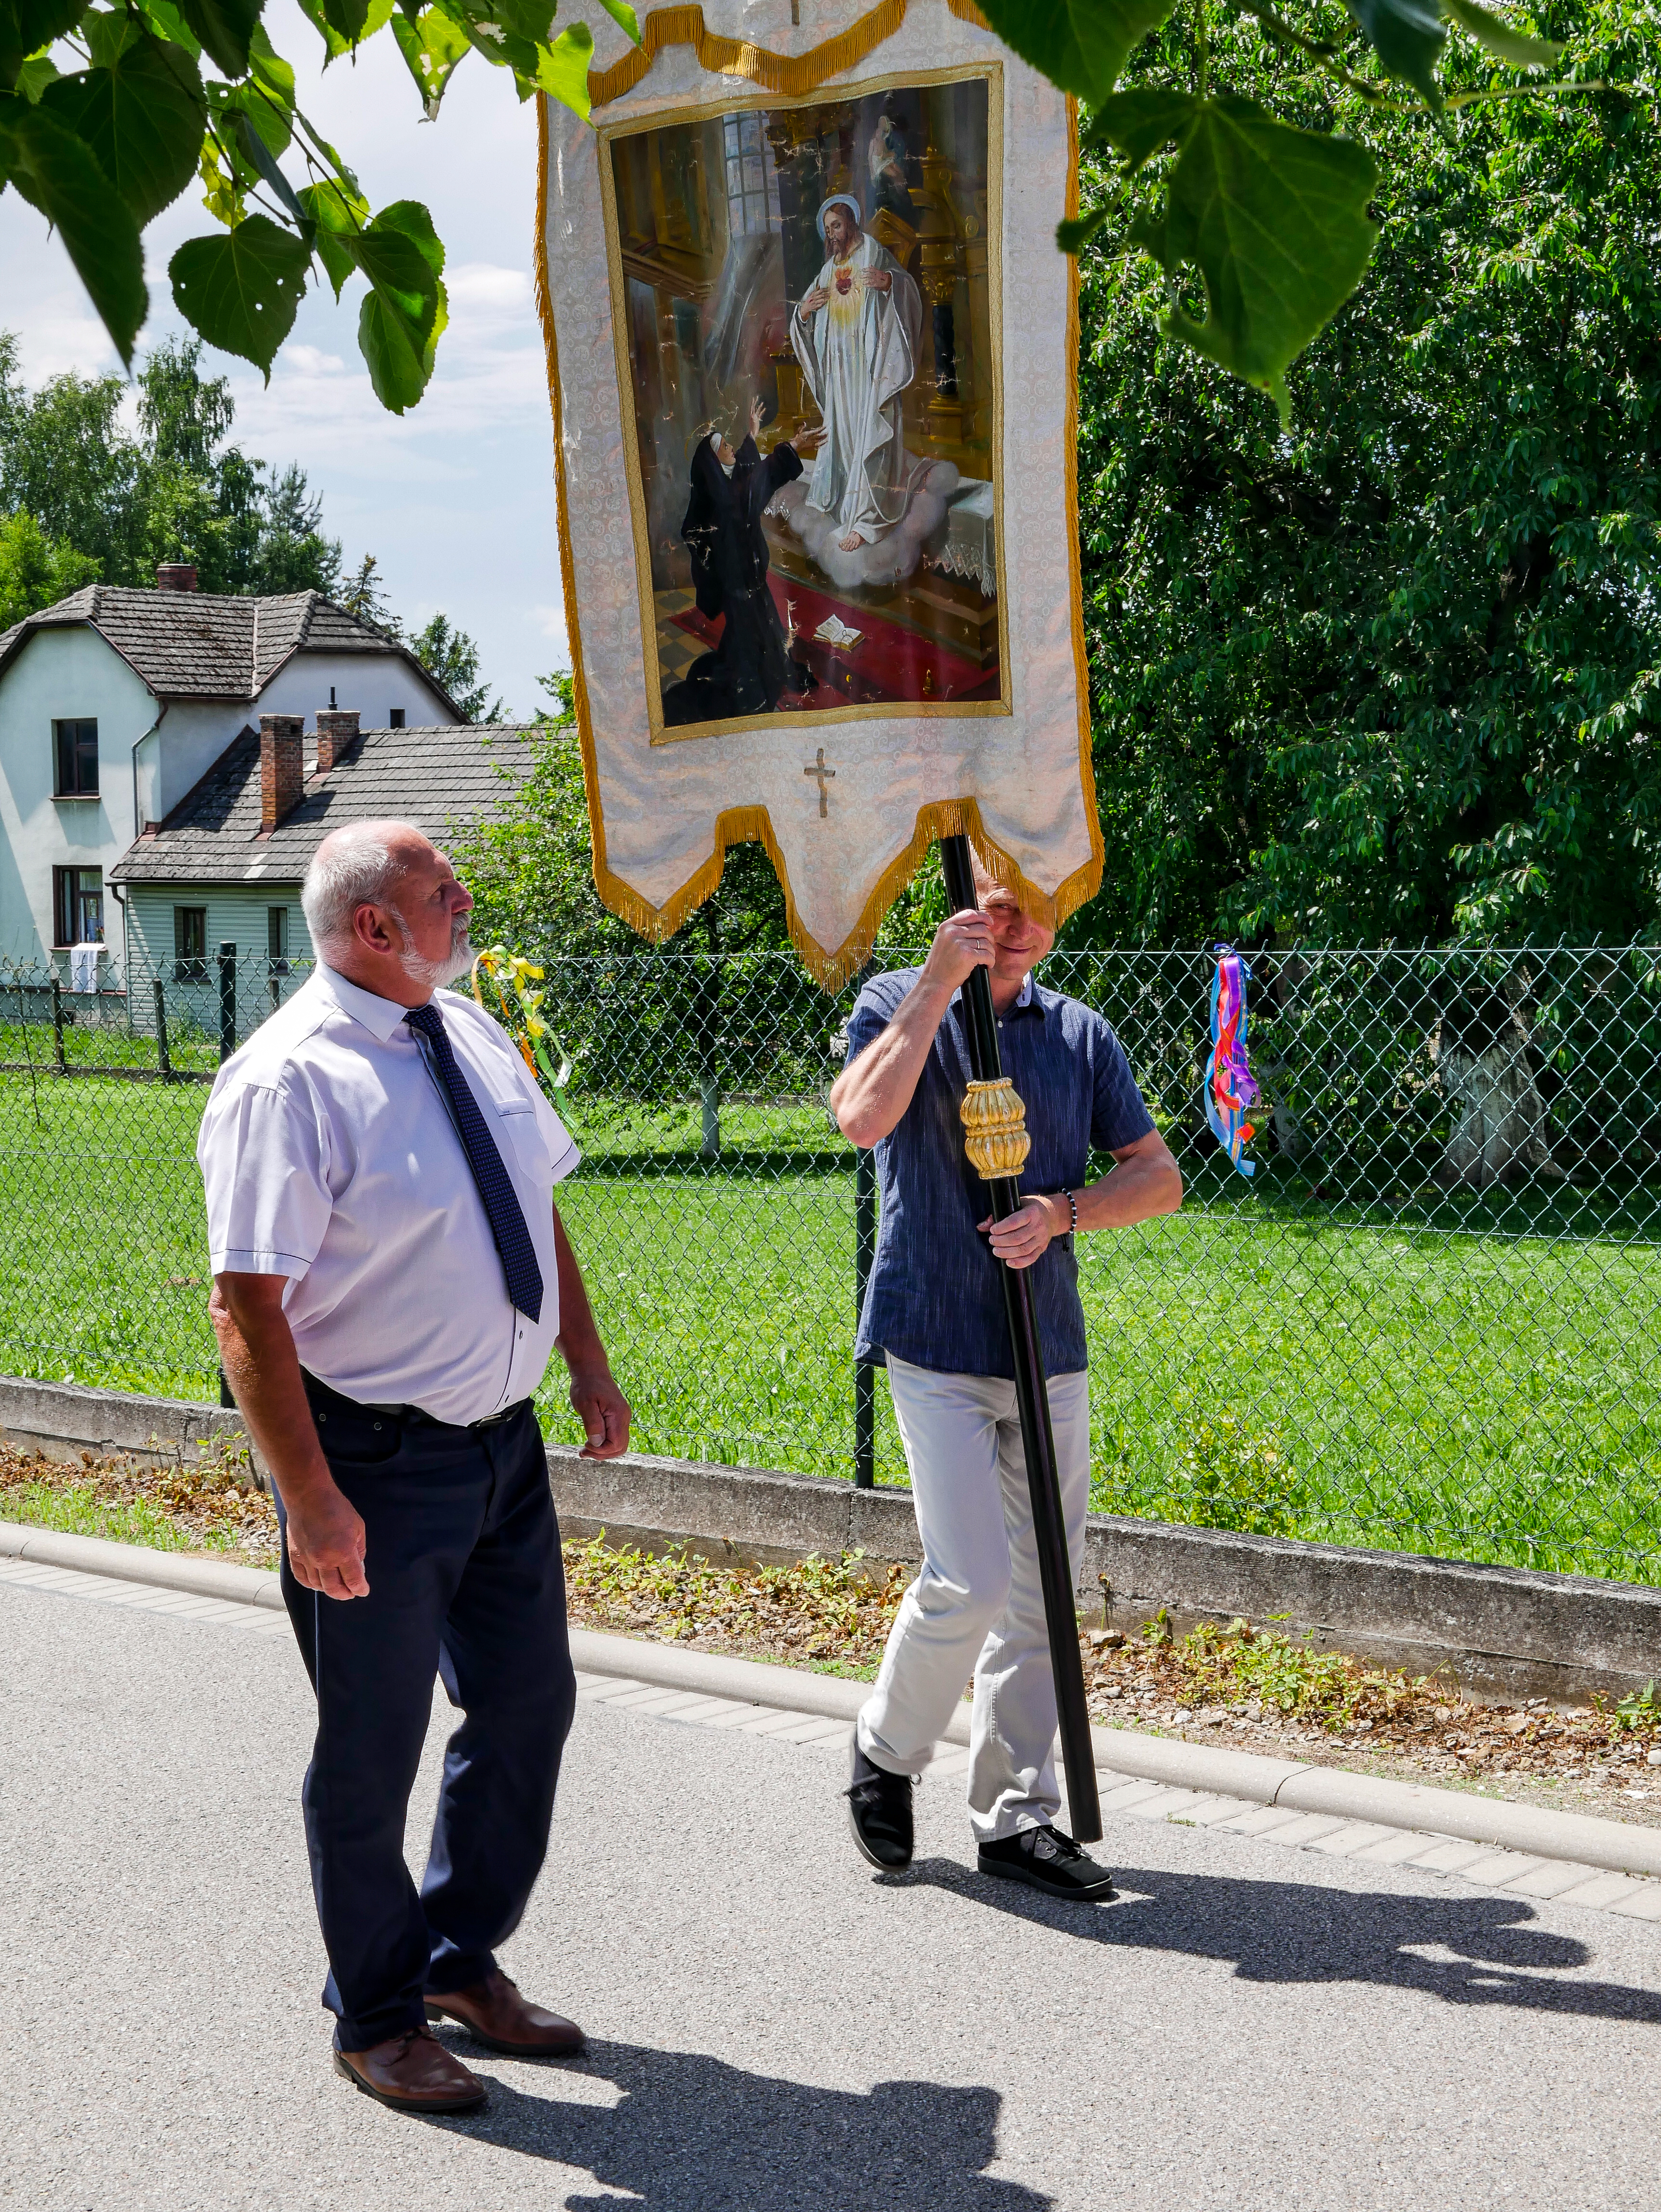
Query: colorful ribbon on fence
1229	1088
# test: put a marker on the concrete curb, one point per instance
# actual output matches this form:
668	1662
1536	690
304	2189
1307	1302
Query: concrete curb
1581	1837
133	1563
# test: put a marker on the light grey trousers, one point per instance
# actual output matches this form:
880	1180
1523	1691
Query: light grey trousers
976	1602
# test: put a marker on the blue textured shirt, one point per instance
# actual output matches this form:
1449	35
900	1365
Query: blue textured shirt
935	1298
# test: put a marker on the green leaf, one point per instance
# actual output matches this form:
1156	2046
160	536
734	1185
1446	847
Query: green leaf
225	28
251	104
142	118
562	69
240	290
1075	232
165	20
503	48
322	20
337	213
433	48
400	362
56	171
106	33
1408	38
1078	45
624	16
29	27
270	68
1138	124
1276	220
1506	44
399	323
254	150
36	73
530	20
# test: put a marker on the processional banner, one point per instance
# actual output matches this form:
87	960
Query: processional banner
812	354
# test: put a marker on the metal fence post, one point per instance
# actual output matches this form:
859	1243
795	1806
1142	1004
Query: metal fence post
163	1060
57	1025
227	1000
865	1379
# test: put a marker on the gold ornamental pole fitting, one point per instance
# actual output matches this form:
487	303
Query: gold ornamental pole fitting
997	1143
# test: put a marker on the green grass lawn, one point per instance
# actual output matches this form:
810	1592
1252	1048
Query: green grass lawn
1422	1373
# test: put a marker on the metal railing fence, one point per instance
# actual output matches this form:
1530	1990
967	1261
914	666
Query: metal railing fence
1431	1320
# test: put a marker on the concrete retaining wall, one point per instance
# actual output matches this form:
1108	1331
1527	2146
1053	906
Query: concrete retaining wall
1497	1632
64	1419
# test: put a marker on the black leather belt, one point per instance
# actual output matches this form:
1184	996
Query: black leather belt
407	1416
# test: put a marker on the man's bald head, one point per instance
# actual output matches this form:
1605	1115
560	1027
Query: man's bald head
362	865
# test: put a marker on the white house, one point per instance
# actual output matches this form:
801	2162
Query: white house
221	873
115	704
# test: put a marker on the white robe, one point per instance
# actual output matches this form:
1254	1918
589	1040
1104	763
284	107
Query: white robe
858	354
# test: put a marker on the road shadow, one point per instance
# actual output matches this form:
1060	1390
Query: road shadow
691	2134
1290	1932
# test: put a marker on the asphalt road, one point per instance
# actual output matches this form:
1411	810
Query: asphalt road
772	2029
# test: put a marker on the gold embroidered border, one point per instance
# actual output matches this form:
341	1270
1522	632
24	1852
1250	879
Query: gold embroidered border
790	74
740	825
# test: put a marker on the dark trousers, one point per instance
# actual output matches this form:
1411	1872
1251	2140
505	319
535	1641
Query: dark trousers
466	1581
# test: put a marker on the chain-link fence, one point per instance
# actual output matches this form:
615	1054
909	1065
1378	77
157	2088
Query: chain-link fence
1432	1320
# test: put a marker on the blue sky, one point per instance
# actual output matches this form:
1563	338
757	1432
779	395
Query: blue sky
455	499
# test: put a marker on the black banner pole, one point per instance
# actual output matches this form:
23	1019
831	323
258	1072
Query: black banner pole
1032	1397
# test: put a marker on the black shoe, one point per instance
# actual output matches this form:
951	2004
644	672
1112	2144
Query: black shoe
1050	1861
879	1814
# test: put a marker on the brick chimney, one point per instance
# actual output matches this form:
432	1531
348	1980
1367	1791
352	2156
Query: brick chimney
336	728
282	766
175	576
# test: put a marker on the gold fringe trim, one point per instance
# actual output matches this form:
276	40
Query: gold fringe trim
830	967
792	74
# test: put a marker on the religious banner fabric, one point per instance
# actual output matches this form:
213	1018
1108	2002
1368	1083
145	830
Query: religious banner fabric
812	353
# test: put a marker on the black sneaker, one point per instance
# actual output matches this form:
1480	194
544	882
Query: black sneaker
1048	1860
879	1814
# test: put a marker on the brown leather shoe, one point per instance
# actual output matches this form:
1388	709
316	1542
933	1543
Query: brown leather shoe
412	2073
494	2011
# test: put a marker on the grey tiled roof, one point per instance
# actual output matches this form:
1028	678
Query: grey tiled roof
206	645
440	779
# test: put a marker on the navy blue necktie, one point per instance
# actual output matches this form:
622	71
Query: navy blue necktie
502	1207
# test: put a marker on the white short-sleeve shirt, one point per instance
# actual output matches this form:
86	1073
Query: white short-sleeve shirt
329	1157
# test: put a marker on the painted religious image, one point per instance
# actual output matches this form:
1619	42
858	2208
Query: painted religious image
809	315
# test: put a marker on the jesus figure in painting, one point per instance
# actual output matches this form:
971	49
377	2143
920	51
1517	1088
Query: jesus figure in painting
856	334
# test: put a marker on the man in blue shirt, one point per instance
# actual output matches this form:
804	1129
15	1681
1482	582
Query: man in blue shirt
935	1314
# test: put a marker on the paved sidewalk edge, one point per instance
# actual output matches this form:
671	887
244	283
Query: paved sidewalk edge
135	1563
1579	1836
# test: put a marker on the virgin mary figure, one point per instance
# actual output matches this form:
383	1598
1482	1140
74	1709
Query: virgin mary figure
856	334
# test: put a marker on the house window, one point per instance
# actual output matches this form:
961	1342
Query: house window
77	897
395	718
76	747
276	939
190	945
752	184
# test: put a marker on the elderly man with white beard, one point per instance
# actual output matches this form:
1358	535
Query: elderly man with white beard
856	334
390	1279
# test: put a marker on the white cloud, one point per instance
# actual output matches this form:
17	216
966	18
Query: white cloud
311	361
551	621
478	288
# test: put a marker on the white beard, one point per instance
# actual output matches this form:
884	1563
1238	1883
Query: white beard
435	974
